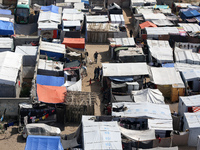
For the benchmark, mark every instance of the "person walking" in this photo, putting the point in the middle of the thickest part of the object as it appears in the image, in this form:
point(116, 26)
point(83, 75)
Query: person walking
point(101, 73)
point(131, 33)
point(98, 72)
point(95, 56)
point(95, 72)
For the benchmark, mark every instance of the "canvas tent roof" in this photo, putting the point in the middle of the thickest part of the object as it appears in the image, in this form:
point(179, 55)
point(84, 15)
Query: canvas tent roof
point(43, 142)
point(148, 95)
point(100, 135)
point(73, 17)
point(191, 27)
point(50, 80)
point(50, 65)
point(160, 124)
point(153, 16)
point(51, 94)
point(166, 76)
point(97, 19)
point(162, 22)
point(27, 50)
point(124, 69)
point(122, 42)
point(117, 18)
point(6, 42)
point(70, 11)
point(184, 66)
point(52, 47)
point(147, 24)
point(103, 27)
point(191, 74)
point(161, 30)
point(10, 64)
point(48, 17)
point(142, 110)
point(193, 119)
point(182, 5)
point(158, 43)
point(48, 26)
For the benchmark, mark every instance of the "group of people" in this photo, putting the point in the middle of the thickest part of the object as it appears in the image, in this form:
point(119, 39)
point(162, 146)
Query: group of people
point(98, 73)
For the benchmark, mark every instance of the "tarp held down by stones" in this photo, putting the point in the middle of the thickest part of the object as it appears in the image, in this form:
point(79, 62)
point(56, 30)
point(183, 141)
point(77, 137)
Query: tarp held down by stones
point(43, 143)
point(51, 94)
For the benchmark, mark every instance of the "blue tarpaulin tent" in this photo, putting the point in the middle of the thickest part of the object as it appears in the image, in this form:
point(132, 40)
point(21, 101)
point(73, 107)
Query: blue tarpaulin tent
point(50, 80)
point(5, 12)
point(85, 1)
point(51, 8)
point(36, 142)
point(6, 28)
point(189, 14)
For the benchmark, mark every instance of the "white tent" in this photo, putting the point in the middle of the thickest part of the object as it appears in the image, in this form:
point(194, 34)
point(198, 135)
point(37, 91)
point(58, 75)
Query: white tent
point(48, 17)
point(162, 22)
point(73, 86)
point(97, 19)
point(116, 18)
point(148, 95)
point(100, 135)
point(6, 44)
point(124, 69)
point(70, 11)
point(192, 122)
point(142, 110)
point(68, 24)
point(73, 17)
point(153, 16)
point(10, 64)
point(190, 27)
point(186, 102)
point(52, 47)
point(166, 76)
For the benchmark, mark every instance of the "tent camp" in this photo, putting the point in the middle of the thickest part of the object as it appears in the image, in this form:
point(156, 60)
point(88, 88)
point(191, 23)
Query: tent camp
point(6, 44)
point(43, 142)
point(168, 81)
point(54, 50)
point(187, 102)
point(148, 95)
point(190, 27)
point(100, 135)
point(10, 74)
point(192, 122)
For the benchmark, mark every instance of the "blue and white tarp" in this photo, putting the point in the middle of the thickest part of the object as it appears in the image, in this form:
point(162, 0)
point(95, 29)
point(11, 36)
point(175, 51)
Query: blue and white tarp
point(51, 8)
point(6, 28)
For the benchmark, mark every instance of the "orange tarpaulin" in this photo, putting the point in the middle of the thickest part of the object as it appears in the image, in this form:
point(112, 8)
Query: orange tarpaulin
point(147, 24)
point(74, 42)
point(51, 94)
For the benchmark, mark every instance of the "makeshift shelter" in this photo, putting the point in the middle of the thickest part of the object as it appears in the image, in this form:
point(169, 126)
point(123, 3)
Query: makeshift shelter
point(50, 8)
point(97, 19)
point(160, 50)
point(48, 24)
point(153, 16)
point(29, 59)
point(49, 80)
point(187, 102)
point(192, 123)
point(51, 94)
point(142, 110)
point(189, 14)
point(162, 22)
point(93, 131)
point(6, 28)
point(100, 32)
point(148, 95)
point(168, 81)
point(130, 54)
point(78, 104)
point(77, 43)
point(117, 19)
point(191, 79)
point(137, 3)
point(50, 68)
point(43, 142)
point(143, 25)
point(6, 44)
point(120, 42)
point(53, 50)
point(190, 27)
point(10, 74)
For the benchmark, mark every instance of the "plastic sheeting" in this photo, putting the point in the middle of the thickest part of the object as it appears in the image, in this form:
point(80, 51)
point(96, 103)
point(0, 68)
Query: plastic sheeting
point(6, 28)
point(190, 27)
point(43, 143)
point(146, 110)
point(73, 86)
point(166, 76)
point(73, 17)
point(10, 64)
point(5, 12)
point(48, 17)
point(153, 16)
point(148, 95)
point(122, 42)
point(160, 124)
point(51, 94)
point(100, 135)
point(142, 135)
point(162, 22)
point(50, 8)
point(121, 79)
point(191, 74)
point(124, 69)
point(49, 80)
point(97, 19)
point(187, 101)
point(116, 18)
point(6, 43)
